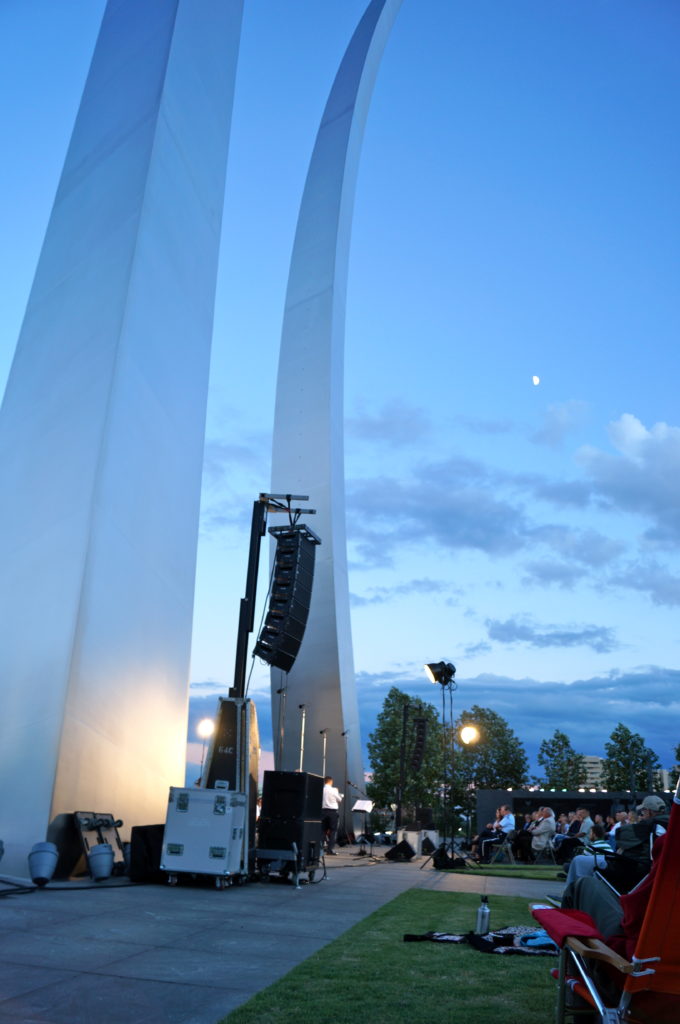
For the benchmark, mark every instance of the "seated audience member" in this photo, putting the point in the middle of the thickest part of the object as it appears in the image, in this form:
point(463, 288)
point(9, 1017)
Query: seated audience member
point(487, 831)
point(494, 834)
point(528, 844)
point(567, 849)
point(617, 918)
point(634, 844)
point(620, 818)
point(522, 841)
point(561, 829)
point(593, 856)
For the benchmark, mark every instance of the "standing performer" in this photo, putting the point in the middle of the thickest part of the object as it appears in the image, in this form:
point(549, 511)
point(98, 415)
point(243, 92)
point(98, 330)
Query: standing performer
point(329, 813)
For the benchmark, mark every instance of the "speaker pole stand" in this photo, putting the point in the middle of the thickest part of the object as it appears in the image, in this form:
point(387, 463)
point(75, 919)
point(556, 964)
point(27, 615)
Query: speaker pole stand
point(265, 503)
point(323, 733)
point(303, 716)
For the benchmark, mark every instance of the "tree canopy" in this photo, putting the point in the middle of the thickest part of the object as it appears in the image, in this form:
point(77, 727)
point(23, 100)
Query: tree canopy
point(562, 767)
point(629, 762)
point(497, 761)
point(422, 787)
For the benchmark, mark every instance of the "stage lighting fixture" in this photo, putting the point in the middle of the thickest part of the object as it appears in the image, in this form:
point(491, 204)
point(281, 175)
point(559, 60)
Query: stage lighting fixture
point(469, 734)
point(441, 672)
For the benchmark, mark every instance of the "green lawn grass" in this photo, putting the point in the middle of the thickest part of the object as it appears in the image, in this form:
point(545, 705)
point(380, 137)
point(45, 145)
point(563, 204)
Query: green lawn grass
point(542, 873)
point(370, 974)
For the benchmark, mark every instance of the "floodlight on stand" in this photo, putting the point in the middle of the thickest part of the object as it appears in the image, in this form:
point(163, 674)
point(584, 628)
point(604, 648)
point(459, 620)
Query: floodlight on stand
point(469, 734)
point(441, 672)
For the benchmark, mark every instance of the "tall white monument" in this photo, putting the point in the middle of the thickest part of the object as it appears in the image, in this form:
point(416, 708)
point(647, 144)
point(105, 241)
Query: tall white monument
point(308, 427)
point(102, 430)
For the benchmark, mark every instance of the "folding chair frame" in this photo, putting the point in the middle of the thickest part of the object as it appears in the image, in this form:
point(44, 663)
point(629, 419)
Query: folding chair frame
point(504, 847)
point(547, 849)
point(578, 952)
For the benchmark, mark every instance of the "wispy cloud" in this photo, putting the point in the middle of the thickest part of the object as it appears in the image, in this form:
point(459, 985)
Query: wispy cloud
point(441, 508)
point(396, 424)
point(381, 595)
point(651, 578)
point(600, 639)
point(589, 547)
point(558, 421)
point(546, 573)
point(483, 647)
point(485, 426)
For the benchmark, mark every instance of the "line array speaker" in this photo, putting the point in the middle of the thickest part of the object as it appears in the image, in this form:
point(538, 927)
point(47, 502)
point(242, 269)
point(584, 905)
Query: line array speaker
point(291, 595)
point(418, 743)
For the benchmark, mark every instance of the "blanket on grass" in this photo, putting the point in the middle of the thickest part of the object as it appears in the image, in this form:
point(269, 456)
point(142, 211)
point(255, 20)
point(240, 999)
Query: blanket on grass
point(522, 939)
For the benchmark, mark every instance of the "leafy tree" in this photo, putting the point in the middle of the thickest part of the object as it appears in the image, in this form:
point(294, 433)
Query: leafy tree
point(563, 768)
point(629, 764)
point(496, 761)
point(421, 787)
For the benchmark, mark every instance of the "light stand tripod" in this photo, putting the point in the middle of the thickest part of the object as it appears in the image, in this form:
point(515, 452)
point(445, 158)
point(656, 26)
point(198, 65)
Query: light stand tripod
point(443, 672)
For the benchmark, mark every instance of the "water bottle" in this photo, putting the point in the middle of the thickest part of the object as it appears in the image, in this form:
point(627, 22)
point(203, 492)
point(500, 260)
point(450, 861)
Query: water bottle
point(482, 919)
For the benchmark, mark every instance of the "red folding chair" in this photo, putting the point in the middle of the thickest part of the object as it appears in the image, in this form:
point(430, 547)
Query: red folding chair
point(648, 981)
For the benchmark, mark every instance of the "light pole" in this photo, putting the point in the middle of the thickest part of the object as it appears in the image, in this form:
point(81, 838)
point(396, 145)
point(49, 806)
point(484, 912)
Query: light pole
point(442, 673)
point(469, 735)
point(205, 729)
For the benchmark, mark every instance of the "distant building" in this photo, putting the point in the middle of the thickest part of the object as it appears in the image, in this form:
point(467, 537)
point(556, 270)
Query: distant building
point(593, 766)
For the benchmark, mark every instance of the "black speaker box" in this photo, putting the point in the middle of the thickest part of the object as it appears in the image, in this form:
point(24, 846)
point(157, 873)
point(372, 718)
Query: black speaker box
point(292, 795)
point(443, 862)
point(425, 817)
point(291, 595)
point(401, 852)
point(146, 847)
point(281, 833)
point(427, 845)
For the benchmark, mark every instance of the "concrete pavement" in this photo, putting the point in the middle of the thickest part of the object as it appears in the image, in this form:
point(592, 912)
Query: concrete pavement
point(72, 953)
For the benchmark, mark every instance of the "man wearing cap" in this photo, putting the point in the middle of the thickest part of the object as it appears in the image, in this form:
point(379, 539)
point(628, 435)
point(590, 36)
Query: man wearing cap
point(654, 811)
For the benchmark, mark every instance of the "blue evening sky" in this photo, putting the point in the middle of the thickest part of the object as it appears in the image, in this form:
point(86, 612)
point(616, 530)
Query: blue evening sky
point(517, 214)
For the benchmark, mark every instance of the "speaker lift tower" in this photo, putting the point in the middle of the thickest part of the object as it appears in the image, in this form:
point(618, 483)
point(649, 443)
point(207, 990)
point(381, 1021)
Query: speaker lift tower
point(233, 756)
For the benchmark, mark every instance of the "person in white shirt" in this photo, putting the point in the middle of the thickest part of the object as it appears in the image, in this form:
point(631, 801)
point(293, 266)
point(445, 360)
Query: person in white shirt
point(494, 833)
point(330, 816)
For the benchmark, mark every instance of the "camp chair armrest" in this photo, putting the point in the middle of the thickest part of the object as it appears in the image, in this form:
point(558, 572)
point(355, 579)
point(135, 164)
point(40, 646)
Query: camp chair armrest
point(595, 949)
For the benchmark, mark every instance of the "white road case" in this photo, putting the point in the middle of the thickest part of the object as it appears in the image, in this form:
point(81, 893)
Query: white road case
point(204, 834)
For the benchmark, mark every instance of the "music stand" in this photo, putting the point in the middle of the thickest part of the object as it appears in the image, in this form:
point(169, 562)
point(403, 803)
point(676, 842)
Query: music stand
point(365, 806)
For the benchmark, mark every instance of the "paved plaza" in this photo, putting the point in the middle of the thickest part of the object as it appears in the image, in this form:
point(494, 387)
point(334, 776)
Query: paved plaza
point(150, 954)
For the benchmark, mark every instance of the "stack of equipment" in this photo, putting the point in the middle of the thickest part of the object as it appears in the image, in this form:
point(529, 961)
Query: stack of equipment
point(290, 837)
point(204, 835)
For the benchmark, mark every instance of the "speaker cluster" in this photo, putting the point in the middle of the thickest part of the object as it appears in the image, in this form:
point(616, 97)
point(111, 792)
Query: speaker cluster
point(291, 595)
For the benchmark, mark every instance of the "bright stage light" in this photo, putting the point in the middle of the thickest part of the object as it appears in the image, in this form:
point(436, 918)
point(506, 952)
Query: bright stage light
point(205, 728)
point(469, 734)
